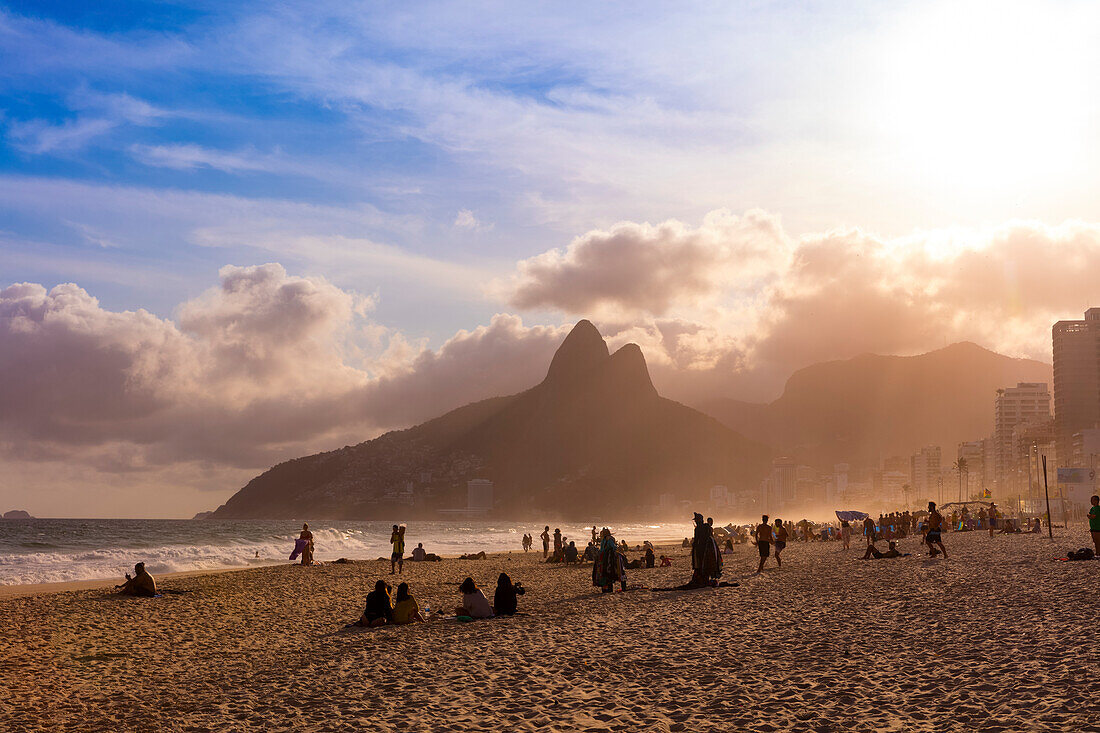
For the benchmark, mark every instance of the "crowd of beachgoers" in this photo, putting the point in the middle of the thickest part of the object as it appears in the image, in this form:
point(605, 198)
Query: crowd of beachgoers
point(811, 644)
point(708, 545)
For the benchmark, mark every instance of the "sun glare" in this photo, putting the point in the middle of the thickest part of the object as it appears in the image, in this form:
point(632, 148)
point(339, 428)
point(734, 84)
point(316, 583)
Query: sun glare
point(995, 98)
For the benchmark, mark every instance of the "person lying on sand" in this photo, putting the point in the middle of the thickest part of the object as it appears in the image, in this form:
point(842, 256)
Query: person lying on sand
point(474, 602)
point(405, 608)
point(505, 600)
point(379, 610)
point(142, 584)
point(873, 552)
point(473, 556)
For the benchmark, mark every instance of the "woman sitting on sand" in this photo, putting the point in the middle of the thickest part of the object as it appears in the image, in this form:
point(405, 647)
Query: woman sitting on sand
point(405, 608)
point(379, 611)
point(474, 602)
point(505, 601)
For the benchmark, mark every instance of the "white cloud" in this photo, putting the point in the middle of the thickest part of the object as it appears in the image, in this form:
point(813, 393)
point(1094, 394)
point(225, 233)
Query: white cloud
point(190, 157)
point(466, 220)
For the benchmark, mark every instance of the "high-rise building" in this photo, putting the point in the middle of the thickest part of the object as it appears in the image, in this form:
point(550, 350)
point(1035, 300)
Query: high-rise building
point(924, 471)
point(1026, 403)
point(1076, 379)
point(778, 489)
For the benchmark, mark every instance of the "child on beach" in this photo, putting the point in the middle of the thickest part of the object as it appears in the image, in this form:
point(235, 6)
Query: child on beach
point(397, 557)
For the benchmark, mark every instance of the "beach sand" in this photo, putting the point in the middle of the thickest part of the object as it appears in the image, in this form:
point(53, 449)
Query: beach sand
point(997, 638)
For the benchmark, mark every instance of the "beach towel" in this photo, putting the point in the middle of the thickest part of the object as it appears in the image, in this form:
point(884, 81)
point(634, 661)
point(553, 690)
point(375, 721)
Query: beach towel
point(299, 548)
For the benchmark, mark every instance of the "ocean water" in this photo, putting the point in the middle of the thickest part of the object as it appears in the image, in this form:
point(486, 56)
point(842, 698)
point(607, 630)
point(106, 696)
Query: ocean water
point(57, 550)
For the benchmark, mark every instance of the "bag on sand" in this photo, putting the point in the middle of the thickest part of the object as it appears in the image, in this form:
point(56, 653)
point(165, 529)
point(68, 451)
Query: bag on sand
point(1083, 554)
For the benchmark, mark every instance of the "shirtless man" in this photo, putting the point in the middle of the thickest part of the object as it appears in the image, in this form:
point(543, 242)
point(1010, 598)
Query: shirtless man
point(142, 584)
point(763, 542)
point(780, 541)
point(935, 522)
point(545, 541)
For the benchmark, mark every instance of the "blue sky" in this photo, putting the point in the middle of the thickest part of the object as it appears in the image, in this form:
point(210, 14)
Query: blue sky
point(437, 190)
point(381, 123)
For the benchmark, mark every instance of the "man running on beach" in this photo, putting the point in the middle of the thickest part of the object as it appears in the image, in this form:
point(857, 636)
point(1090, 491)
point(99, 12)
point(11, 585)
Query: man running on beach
point(397, 539)
point(763, 542)
point(545, 541)
point(935, 520)
point(1094, 523)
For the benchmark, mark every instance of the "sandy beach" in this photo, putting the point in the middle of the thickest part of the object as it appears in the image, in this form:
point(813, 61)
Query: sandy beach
point(996, 638)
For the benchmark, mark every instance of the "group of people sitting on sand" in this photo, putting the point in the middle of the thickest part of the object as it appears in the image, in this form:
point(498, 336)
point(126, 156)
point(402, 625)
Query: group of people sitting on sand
point(384, 610)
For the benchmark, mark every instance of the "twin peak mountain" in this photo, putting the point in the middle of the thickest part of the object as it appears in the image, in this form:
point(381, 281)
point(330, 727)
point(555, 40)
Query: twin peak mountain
point(593, 438)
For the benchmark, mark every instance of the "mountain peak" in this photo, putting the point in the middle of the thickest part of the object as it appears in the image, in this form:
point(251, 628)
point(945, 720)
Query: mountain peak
point(582, 351)
point(627, 368)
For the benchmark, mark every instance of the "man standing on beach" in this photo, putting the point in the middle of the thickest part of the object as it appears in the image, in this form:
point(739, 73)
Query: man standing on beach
point(935, 521)
point(763, 542)
point(397, 558)
point(545, 541)
point(1094, 523)
point(869, 529)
